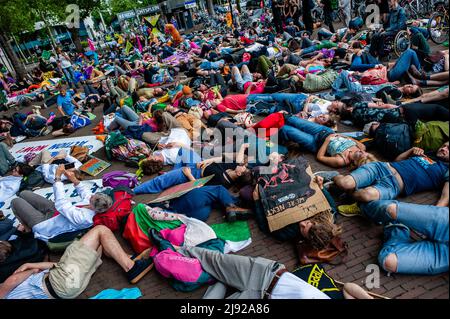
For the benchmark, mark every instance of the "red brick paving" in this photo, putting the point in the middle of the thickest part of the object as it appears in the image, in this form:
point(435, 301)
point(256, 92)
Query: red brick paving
point(364, 240)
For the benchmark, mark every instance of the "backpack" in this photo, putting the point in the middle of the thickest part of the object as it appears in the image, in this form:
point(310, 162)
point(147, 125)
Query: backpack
point(119, 179)
point(114, 217)
point(132, 151)
point(392, 139)
point(33, 181)
point(81, 153)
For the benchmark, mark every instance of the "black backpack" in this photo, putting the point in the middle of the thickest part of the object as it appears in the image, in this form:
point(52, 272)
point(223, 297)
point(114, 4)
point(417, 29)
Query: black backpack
point(392, 139)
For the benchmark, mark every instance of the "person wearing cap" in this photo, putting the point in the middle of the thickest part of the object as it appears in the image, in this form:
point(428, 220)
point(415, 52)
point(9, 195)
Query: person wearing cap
point(36, 213)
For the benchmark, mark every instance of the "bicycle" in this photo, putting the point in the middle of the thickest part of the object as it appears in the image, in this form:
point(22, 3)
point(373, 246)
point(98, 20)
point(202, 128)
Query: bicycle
point(438, 24)
point(412, 8)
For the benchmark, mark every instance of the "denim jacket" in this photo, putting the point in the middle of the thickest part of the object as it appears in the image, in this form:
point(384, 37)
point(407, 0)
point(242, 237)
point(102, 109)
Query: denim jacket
point(397, 20)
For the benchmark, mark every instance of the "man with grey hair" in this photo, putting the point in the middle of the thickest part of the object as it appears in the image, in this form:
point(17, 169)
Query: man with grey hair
point(37, 213)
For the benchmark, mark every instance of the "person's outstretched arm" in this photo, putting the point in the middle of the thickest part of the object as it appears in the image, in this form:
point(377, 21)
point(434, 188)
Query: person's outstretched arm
point(443, 201)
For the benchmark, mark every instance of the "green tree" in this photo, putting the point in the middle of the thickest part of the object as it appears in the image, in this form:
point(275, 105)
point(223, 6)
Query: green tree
point(58, 9)
point(15, 16)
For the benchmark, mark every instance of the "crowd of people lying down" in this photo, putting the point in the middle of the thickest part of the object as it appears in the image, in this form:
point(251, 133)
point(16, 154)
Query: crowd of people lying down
point(167, 109)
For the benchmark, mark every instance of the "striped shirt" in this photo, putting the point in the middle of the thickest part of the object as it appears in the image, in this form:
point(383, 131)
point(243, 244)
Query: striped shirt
point(32, 288)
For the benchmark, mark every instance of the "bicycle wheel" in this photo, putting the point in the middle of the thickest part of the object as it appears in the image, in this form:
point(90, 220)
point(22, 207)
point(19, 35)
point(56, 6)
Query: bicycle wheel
point(438, 27)
point(402, 42)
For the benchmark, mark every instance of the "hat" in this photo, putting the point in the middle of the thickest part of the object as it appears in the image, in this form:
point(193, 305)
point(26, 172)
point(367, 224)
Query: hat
point(367, 127)
point(187, 90)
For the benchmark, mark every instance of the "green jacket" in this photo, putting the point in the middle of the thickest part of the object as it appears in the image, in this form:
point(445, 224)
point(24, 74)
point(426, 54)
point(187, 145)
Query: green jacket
point(113, 140)
point(431, 135)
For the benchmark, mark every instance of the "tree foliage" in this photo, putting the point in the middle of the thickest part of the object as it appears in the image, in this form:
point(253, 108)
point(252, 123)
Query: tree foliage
point(16, 16)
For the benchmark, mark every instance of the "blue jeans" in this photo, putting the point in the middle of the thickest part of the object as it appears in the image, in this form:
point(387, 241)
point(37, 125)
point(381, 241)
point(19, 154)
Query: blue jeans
point(70, 76)
point(379, 176)
point(323, 34)
point(20, 127)
point(165, 181)
point(404, 62)
point(306, 43)
point(309, 50)
point(126, 117)
point(88, 89)
point(425, 257)
point(307, 134)
point(199, 202)
point(295, 99)
point(343, 81)
point(241, 78)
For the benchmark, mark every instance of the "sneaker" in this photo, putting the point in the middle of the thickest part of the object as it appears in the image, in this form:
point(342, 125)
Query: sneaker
point(327, 175)
point(20, 138)
point(45, 131)
point(140, 269)
point(349, 210)
point(234, 213)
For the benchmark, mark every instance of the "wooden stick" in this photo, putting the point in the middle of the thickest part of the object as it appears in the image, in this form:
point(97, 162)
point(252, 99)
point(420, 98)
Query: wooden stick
point(370, 293)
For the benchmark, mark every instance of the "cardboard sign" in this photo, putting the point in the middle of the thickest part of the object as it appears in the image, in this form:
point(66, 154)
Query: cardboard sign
point(179, 190)
point(19, 150)
point(290, 195)
point(94, 166)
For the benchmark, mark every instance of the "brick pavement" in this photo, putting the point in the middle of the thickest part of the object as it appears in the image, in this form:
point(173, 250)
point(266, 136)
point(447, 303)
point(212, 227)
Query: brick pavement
point(364, 240)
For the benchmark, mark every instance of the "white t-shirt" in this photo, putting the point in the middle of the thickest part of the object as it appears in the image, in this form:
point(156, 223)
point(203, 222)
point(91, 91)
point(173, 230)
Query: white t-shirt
point(254, 47)
point(318, 106)
point(273, 52)
point(178, 135)
point(290, 286)
point(49, 170)
point(64, 62)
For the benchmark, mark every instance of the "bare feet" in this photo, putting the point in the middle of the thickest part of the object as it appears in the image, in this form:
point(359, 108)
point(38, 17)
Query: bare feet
point(412, 79)
point(417, 74)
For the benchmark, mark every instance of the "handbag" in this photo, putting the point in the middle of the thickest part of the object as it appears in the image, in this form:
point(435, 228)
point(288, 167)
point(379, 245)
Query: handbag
point(335, 253)
point(81, 153)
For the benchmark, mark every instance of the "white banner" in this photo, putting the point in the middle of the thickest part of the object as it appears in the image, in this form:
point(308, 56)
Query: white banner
point(95, 186)
point(19, 150)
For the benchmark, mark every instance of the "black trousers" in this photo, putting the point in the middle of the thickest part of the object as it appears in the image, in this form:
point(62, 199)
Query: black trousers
point(425, 112)
point(329, 19)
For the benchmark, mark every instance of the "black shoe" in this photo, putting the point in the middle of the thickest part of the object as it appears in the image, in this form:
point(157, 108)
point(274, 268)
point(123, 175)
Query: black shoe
point(140, 269)
point(234, 213)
